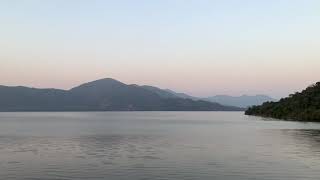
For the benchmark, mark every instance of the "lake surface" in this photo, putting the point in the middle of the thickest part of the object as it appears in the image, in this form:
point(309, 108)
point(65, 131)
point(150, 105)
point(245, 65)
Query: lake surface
point(156, 146)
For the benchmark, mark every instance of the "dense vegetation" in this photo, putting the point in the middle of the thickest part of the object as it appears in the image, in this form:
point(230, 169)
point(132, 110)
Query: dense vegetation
point(303, 106)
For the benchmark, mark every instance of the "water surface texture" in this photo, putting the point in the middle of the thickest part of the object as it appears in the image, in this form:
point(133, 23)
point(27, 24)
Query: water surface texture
point(156, 145)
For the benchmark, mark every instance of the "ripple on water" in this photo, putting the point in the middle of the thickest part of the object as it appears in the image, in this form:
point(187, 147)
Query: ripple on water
point(222, 146)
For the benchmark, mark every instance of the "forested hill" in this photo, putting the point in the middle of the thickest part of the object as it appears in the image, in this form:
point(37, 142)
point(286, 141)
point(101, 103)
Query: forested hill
point(303, 106)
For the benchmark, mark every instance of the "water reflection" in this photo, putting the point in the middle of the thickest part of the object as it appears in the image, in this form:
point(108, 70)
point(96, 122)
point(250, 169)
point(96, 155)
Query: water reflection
point(99, 156)
point(304, 145)
point(121, 146)
point(222, 146)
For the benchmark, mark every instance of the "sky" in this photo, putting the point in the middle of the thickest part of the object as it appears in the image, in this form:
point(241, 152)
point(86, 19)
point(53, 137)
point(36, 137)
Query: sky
point(199, 47)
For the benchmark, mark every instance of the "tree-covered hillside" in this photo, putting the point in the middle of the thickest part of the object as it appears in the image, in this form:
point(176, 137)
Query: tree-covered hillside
point(303, 106)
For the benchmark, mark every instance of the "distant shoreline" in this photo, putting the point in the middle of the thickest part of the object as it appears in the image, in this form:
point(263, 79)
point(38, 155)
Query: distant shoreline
point(127, 111)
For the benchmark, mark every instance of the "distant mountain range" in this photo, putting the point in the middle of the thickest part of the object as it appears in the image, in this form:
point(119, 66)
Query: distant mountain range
point(240, 101)
point(103, 95)
point(243, 101)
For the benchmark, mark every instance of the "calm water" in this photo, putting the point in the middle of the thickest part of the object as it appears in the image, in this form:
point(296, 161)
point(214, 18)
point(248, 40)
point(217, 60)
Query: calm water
point(156, 145)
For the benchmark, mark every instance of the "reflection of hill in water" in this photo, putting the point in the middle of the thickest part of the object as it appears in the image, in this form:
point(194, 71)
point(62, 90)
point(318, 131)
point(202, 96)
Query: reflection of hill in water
point(304, 144)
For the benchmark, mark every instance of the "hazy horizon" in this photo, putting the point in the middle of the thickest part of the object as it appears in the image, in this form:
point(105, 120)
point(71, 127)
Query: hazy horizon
point(143, 85)
point(201, 48)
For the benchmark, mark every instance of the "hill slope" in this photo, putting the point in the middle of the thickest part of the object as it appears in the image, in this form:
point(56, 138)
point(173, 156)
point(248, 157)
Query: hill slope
point(243, 101)
point(100, 95)
point(304, 106)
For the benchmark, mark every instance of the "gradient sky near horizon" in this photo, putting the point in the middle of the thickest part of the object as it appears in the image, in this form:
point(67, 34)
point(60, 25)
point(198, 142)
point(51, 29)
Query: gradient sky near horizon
point(199, 47)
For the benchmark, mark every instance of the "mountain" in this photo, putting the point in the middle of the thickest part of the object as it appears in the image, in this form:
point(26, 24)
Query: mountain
point(239, 101)
point(182, 95)
point(243, 101)
point(160, 92)
point(100, 95)
point(303, 106)
point(167, 93)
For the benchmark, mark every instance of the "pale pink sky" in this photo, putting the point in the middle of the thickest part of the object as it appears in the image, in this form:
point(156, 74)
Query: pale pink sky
point(201, 48)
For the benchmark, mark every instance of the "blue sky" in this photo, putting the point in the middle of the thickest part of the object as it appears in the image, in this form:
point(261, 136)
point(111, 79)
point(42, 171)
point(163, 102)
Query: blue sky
point(199, 47)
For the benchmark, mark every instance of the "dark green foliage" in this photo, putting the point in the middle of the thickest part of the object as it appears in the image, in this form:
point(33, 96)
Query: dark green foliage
point(101, 95)
point(304, 106)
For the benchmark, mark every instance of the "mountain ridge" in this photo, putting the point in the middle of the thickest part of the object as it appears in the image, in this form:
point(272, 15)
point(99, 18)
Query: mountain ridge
point(242, 101)
point(100, 95)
